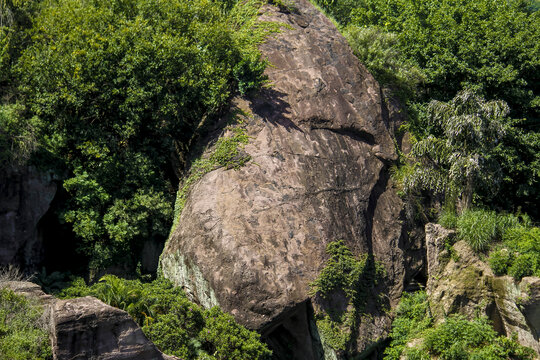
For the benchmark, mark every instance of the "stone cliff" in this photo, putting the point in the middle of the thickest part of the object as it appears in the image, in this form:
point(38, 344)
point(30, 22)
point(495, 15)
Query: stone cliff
point(252, 239)
point(25, 196)
point(459, 282)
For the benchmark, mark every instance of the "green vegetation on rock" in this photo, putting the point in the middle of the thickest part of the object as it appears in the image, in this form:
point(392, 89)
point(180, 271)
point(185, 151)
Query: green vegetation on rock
point(416, 337)
point(226, 153)
point(176, 325)
point(107, 93)
point(348, 280)
point(432, 50)
point(518, 253)
point(23, 328)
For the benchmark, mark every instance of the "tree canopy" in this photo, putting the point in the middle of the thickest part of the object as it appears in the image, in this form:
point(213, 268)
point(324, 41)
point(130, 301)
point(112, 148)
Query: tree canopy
point(111, 91)
point(430, 50)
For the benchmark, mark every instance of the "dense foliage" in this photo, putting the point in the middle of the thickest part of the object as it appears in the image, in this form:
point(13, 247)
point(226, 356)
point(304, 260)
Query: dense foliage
point(23, 334)
point(488, 44)
point(512, 242)
point(457, 158)
point(343, 276)
point(518, 252)
point(416, 337)
point(109, 92)
point(176, 325)
point(433, 50)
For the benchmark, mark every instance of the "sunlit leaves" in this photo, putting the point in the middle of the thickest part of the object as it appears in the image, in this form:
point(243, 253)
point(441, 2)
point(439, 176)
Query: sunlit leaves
point(459, 160)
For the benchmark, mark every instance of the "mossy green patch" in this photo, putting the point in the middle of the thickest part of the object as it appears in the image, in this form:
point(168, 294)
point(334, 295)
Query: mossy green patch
point(342, 289)
point(227, 152)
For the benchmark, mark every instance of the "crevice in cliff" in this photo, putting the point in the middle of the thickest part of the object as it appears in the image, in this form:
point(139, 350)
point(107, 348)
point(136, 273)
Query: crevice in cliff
point(354, 134)
point(377, 191)
point(59, 244)
point(294, 334)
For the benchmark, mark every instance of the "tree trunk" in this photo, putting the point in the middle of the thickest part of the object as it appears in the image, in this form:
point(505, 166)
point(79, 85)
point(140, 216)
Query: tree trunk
point(464, 202)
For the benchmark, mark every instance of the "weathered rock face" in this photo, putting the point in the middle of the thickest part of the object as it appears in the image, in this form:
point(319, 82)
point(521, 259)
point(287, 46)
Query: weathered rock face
point(25, 196)
point(251, 240)
point(459, 282)
point(87, 328)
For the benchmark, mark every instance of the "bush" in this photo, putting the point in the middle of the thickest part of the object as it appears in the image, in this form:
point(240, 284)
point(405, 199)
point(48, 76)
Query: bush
point(500, 260)
point(478, 228)
point(412, 318)
point(523, 265)
point(115, 88)
point(523, 238)
point(341, 272)
point(176, 325)
point(378, 50)
point(458, 338)
point(18, 135)
point(448, 218)
point(454, 339)
point(521, 253)
point(23, 335)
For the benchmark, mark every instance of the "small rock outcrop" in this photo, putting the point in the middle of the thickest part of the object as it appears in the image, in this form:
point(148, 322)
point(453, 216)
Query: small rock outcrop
point(87, 328)
point(459, 282)
point(25, 196)
point(252, 239)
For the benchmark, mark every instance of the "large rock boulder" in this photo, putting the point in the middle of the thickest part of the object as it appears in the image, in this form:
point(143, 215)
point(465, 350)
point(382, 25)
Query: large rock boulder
point(459, 282)
point(87, 328)
point(252, 239)
point(25, 196)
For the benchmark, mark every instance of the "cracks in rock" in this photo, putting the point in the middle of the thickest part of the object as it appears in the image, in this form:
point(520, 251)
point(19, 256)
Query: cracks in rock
point(355, 134)
point(300, 196)
point(376, 193)
point(337, 190)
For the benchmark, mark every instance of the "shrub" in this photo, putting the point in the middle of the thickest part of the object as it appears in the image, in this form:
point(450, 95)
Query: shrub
point(454, 339)
point(448, 218)
point(378, 50)
point(500, 260)
point(18, 135)
point(224, 338)
point(521, 255)
point(412, 317)
point(175, 324)
point(523, 239)
point(478, 228)
point(458, 338)
point(23, 335)
point(523, 265)
point(341, 272)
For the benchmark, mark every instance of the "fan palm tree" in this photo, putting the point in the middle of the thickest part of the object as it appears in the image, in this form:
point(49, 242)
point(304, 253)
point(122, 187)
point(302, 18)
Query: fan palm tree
point(457, 160)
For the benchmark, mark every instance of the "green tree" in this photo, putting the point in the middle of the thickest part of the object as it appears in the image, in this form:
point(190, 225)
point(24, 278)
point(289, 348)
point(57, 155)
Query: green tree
point(486, 43)
point(119, 88)
point(460, 159)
